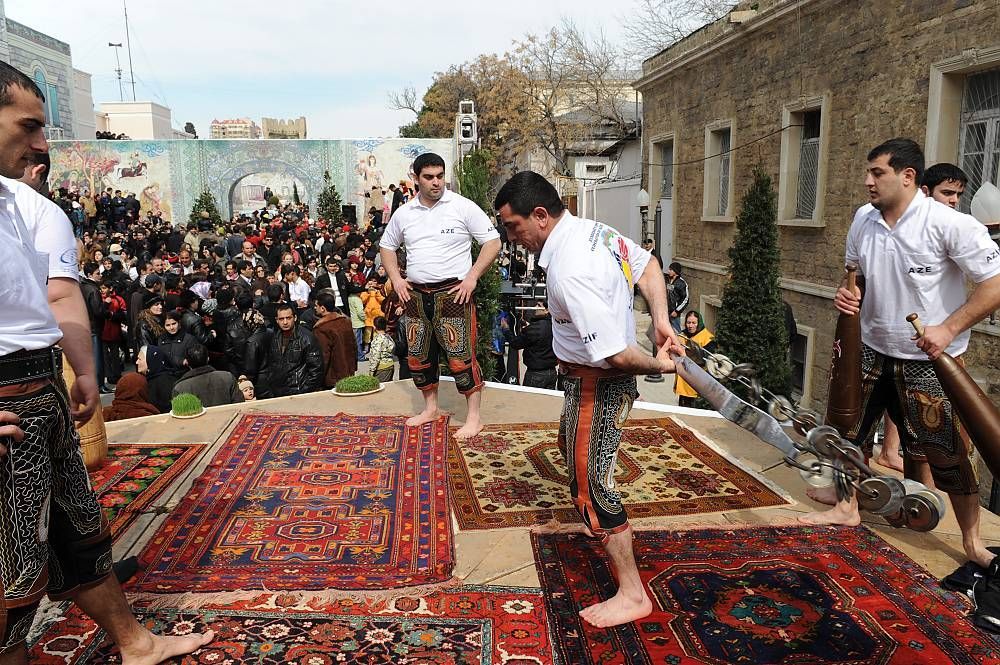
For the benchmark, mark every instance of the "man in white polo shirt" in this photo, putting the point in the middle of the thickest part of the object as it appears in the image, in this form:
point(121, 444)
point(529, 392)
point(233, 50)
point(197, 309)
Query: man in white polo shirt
point(437, 228)
point(913, 255)
point(591, 271)
point(54, 537)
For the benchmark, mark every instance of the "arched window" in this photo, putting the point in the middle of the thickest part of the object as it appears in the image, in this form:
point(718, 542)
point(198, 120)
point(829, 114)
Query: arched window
point(51, 93)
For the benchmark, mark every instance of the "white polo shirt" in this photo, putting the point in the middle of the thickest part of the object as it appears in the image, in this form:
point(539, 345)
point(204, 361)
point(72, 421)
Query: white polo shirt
point(919, 265)
point(591, 271)
point(36, 243)
point(438, 239)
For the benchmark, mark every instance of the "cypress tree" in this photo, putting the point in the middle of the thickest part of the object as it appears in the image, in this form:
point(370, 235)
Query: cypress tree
point(751, 324)
point(206, 203)
point(473, 181)
point(328, 205)
point(295, 194)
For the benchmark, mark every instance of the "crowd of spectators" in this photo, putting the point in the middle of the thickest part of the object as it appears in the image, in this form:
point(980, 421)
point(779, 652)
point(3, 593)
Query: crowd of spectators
point(268, 304)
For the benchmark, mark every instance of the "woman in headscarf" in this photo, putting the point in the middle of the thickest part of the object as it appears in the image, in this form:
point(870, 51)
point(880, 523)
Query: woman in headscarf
point(131, 399)
point(695, 330)
point(153, 364)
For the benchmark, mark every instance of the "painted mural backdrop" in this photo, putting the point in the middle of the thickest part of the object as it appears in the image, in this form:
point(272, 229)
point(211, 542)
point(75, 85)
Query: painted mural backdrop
point(168, 176)
point(141, 167)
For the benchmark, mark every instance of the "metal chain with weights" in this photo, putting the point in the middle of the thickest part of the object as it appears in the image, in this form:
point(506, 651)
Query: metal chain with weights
point(823, 457)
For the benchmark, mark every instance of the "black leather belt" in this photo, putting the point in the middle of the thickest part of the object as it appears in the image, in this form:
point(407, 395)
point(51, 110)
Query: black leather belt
point(25, 366)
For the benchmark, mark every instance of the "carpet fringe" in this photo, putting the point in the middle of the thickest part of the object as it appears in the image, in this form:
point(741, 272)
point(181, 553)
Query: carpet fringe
point(284, 600)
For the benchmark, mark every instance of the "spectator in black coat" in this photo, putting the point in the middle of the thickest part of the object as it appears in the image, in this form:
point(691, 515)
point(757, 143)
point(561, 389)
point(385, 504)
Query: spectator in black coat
point(294, 359)
point(188, 304)
point(175, 342)
point(535, 340)
point(212, 386)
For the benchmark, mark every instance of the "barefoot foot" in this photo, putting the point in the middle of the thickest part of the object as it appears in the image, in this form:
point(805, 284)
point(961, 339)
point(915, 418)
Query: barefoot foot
point(890, 461)
point(836, 516)
point(422, 418)
point(978, 553)
point(158, 648)
point(825, 495)
point(617, 610)
point(469, 430)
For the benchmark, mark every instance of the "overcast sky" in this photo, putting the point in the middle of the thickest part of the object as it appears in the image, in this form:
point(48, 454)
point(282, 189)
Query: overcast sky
point(332, 61)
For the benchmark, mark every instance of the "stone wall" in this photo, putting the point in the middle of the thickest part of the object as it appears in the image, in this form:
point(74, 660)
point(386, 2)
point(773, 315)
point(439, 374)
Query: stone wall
point(27, 47)
point(874, 67)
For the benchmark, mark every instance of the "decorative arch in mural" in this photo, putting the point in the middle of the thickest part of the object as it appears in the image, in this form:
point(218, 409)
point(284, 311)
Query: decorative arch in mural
point(230, 178)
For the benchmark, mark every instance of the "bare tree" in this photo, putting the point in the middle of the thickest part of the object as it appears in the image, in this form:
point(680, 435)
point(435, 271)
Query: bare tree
point(653, 25)
point(405, 100)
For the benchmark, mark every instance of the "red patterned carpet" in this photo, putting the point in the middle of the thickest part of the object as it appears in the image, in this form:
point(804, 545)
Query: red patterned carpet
point(307, 503)
point(514, 475)
point(134, 475)
point(464, 625)
point(762, 595)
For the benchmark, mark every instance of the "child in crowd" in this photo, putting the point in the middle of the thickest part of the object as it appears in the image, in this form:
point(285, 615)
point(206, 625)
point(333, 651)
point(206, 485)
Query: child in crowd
point(381, 361)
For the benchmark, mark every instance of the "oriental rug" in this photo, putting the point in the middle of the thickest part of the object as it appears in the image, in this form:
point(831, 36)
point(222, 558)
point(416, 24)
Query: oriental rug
point(134, 475)
point(467, 625)
point(515, 475)
point(310, 503)
point(760, 595)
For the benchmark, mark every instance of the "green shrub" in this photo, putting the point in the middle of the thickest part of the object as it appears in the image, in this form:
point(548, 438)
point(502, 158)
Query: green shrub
point(357, 384)
point(185, 404)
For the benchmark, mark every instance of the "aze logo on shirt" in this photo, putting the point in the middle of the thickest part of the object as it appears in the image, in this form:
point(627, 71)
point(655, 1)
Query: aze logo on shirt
point(448, 231)
point(994, 256)
point(921, 270)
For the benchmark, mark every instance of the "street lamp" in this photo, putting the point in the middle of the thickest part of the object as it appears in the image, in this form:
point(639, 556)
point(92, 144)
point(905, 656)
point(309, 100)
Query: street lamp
point(118, 70)
point(642, 200)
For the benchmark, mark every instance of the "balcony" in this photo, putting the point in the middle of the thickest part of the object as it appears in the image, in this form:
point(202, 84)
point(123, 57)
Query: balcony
point(54, 134)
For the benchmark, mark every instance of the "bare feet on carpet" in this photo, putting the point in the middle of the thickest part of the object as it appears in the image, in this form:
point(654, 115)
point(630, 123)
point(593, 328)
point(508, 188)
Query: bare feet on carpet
point(617, 610)
point(889, 461)
point(156, 649)
point(423, 418)
point(470, 429)
point(842, 514)
point(978, 553)
point(825, 495)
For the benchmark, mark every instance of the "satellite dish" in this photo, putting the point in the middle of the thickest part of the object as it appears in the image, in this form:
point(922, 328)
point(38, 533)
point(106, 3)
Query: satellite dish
point(986, 204)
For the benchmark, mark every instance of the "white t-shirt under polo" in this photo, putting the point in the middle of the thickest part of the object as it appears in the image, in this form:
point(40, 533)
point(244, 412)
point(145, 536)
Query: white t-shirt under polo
point(919, 265)
point(35, 244)
point(591, 271)
point(438, 239)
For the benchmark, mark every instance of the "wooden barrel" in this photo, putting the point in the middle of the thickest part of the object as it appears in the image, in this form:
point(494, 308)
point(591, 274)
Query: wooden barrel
point(93, 436)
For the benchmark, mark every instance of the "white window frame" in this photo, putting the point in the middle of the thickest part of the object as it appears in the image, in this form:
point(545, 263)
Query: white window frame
point(656, 166)
point(788, 178)
point(712, 165)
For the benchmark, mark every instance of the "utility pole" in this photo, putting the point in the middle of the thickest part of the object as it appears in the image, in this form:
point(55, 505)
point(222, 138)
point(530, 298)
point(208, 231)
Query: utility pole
point(118, 71)
point(128, 42)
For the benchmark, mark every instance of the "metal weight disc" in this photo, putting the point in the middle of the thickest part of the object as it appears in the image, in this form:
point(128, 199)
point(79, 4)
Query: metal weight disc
point(805, 420)
point(722, 366)
point(920, 512)
point(825, 440)
point(820, 476)
point(881, 496)
point(780, 408)
point(938, 498)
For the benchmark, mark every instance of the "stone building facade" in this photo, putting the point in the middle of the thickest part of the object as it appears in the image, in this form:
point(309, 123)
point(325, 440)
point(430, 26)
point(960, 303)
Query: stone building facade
point(275, 128)
point(804, 89)
point(69, 106)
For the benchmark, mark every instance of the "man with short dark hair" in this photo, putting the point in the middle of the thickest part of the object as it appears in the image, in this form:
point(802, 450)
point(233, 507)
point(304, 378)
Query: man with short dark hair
point(36, 173)
point(677, 294)
point(438, 227)
point(214, 387)
point(945, 183)
point(54, 537)
point(591, 275)
point(335, 337)
point(914, 254)
point(295, 362)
